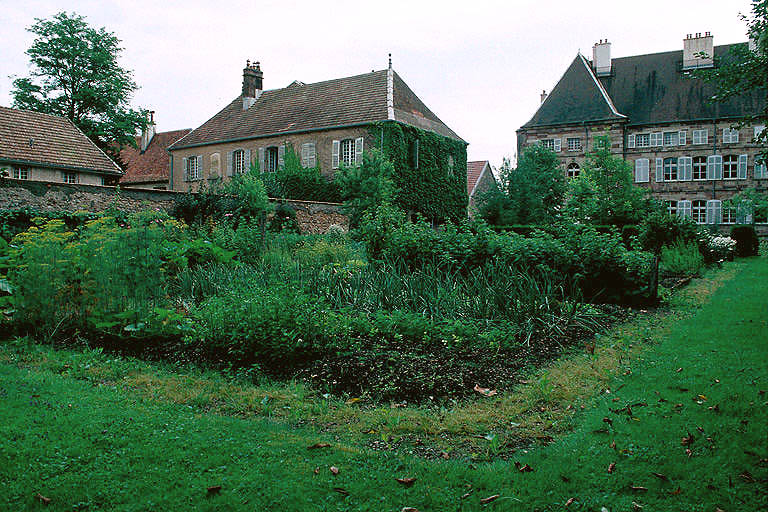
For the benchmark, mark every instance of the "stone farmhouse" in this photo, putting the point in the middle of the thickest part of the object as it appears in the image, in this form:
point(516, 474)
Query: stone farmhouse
point(689, 151)
point(147, 165)
point(480, 179)
point(43, 147)
point(327, 124)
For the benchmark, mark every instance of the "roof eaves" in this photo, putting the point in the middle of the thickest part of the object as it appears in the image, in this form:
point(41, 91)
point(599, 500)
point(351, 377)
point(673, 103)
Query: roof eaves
point(600, 86)
point(49, 165)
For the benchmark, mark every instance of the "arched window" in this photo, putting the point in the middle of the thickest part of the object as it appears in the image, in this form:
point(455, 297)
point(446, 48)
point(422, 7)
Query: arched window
point(670, 169)
point(699, 211)
point(730, 167)
point(573, 170)
point(699, 168)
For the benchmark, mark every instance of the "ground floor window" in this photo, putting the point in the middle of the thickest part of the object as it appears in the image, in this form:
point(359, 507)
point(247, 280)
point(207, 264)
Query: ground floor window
point(69, 177)
point(699, 211)
point(573, 170)
point(271, 159)
point(347, 152)
point(729, 215)
point(21, 174)
point(672, 207)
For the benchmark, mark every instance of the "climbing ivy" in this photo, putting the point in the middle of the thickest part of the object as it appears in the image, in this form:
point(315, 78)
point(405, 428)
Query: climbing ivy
point(426, 181)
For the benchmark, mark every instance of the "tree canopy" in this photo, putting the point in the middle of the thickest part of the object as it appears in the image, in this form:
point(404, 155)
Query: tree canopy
point(75, 74)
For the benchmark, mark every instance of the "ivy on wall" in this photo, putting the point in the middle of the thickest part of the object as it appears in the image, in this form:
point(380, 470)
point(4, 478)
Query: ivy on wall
point(430, 170)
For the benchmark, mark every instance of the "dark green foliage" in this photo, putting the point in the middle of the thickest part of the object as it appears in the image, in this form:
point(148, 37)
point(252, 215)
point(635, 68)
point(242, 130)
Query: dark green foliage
point(76, 75)
point(437, 189)
point(747, 243)
point(241, 198)
point(660, 229)
point(15, 221)
point(284, 219)
point(682, 259)
point(366, 186)
point(604, 192)
point(293, 181)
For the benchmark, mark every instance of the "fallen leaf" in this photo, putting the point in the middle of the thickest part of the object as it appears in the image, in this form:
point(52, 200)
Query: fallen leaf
point(608, 421)
point(611, 467)
point(613, 445)
point(409, 509)
point(636, 506)
point(590, 347)
point(525, 469)
point(318, 445)
point(489, 499)
point(465, 496)
point(445, 455)
point(334, 470)
point(568, 503)
point(485, 391)
point(676, 491)
point(341, 491)
point(408, 481)
point(747, 477)
point(42, 499)
point(679, 370)
point(687, 440)
point(700, 429)
point(352, 401)
point(214, 489)
point(637, 488)
point(660, 476)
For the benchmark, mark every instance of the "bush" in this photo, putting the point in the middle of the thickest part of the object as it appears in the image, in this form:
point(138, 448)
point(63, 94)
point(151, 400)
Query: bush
point(284, 219)
point(682, 259)
point(660, 229)
point(293, 181)
point(747, 243)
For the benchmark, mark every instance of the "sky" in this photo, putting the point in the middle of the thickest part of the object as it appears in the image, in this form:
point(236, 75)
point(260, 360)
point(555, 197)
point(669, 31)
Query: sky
point(480, 66)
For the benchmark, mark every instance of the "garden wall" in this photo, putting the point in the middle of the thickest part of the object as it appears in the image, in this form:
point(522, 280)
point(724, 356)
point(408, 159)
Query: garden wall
point(312, 217)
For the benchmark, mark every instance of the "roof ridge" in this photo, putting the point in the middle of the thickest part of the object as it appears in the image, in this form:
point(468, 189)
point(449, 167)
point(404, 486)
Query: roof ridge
point(666, 52)
point(600, 86)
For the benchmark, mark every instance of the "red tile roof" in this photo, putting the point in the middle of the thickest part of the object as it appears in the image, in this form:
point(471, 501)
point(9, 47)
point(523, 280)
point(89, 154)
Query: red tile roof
point(152, 165)
point(346, 101)
point(49, 141)
point(474, 171)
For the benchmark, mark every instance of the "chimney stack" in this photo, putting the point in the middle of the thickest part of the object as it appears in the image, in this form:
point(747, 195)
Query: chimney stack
point(601, 58)
point(149, 132)
point(698, 51)
point(252, 83)
point(543, 96)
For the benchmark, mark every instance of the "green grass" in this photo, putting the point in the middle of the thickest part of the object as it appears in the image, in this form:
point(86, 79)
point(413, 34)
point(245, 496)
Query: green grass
point(95, 433)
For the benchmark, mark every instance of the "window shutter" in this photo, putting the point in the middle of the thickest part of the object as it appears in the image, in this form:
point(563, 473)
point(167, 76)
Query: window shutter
point(630, 141)
point(642, 170)
point(305, 155)
point(684, 208)
point(312, 155)
point(714, 212)
point(247, 161)
point(659, 170)
point(358, 151)
point(335, 154)
point(281, 156)
point(718, 167)
point(185, 167)
point(558, 145)
point(685, 168)
point(761, 171)
point(262, 167)
point(681, 138)
point(200, 166)
point(743, 167)
point(230, 163)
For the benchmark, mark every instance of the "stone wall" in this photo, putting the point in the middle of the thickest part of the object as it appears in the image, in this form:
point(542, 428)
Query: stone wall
point(312, 217)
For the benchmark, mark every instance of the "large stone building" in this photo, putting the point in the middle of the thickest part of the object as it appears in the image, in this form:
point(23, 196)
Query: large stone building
point(326, 123)
point(688, 150)
point(43, 147)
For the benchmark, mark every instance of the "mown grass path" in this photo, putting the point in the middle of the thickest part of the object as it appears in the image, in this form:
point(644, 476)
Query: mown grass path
point(683, 428)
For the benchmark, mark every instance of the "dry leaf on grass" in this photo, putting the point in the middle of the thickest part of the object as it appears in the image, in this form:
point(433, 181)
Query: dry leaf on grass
point(568, 503)
point(42, 499)
point(334, 470)
point(214, 489)
point(660, 476)
point(341, 491)
point(408, 481)
point(489, 499)
point(485, 391)
point(318, 445)
point(409, 509)
point(611, 467)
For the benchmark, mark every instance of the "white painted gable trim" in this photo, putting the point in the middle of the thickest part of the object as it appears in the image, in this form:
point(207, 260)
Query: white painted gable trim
point(390, 94)
point(600, 86)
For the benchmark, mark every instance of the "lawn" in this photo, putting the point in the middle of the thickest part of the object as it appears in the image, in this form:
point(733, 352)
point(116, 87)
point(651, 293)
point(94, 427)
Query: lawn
point(674, 418)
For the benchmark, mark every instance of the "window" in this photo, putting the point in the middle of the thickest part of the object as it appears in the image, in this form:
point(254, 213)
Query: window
point(600, 142)
point(671, 138)
point(450, 165)
point(699, 211)
point(630, 141)
point(415, 154)
point(684, 208)
point(642, 170)
point(573, 170)
point(759, 129)
point(670, 169)
point(656, 139)
point(729, 216)
point(730, 135)
point(552, 144)
point(699, 168)
point(215, 164)
point(238, 161)
point(574, 144)
point(714, 211)
point(730, 167)
point(643, 140)
point(684, 168)
point(192, 168)
point(348, 152)
point(271, 159)
point(308, 155)
point(69, 177)
point(700, 136)
point(671, 207)
point(681, 136)
point(21, 174)
point(761, 170)
point(715, 167)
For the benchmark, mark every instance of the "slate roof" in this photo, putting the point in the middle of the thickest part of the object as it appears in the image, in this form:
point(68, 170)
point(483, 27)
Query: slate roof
point(153, 164)
point(353, 100)
point(647, 89)
point(49, 141)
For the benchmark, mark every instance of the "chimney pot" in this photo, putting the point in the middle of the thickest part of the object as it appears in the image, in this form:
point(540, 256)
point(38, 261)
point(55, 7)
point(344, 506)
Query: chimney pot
point(601, 58)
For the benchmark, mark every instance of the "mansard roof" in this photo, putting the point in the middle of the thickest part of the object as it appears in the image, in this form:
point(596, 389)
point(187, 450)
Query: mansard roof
point(349, 101)
point(644, 89)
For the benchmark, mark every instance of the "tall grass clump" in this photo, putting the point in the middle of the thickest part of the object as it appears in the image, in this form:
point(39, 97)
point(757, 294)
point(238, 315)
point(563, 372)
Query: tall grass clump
point(682, 259)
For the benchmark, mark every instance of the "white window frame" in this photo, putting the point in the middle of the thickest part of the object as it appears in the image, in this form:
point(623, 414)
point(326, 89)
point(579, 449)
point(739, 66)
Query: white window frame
point(671, 206)
point(700, 137)
point(573, 170)
point(631, 140)
point(730, 135)
point(20, 173)
point(714, 213)
point(684, 208)
point(573, 143)
point(699, 164)
point(758, 130)
point(671, 138)
point(643, 140)
point(715, 167)
point(347, 152)
point(271, 159)
point(761, 170)
point(699, 211)
point(681, 138)
point(69, 177)
point(670, 169)
point(308, 155)
point(238, 161)
point(685, 168)
point(730, 167)
point(657, 139)
point(642, 170)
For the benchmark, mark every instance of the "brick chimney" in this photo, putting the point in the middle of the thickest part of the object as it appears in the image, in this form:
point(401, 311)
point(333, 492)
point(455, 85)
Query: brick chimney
point(698, 51)
point(252, 83)
point(601, 58)
point(148, 133)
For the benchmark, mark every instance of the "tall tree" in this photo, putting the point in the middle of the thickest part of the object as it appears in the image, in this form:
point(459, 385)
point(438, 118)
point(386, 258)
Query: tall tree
point(75, 74)
point(745, 69)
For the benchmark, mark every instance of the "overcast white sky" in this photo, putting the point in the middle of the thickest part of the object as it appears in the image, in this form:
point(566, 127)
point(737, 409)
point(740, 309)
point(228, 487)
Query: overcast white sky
point(480, 65)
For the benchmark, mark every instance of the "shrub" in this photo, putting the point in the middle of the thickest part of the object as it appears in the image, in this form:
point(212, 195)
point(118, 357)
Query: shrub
point(682, 259)
point(292, 181)
point(747, 243)
point(284, 219)
point(660, 229)
point(366, 186)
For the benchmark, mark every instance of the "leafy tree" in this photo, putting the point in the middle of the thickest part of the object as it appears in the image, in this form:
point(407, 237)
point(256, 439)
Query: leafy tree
point(365, 186)
point(749, 204)
point(533, 193)
point(745, 69)
point(604, 192)
point(76, 74)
